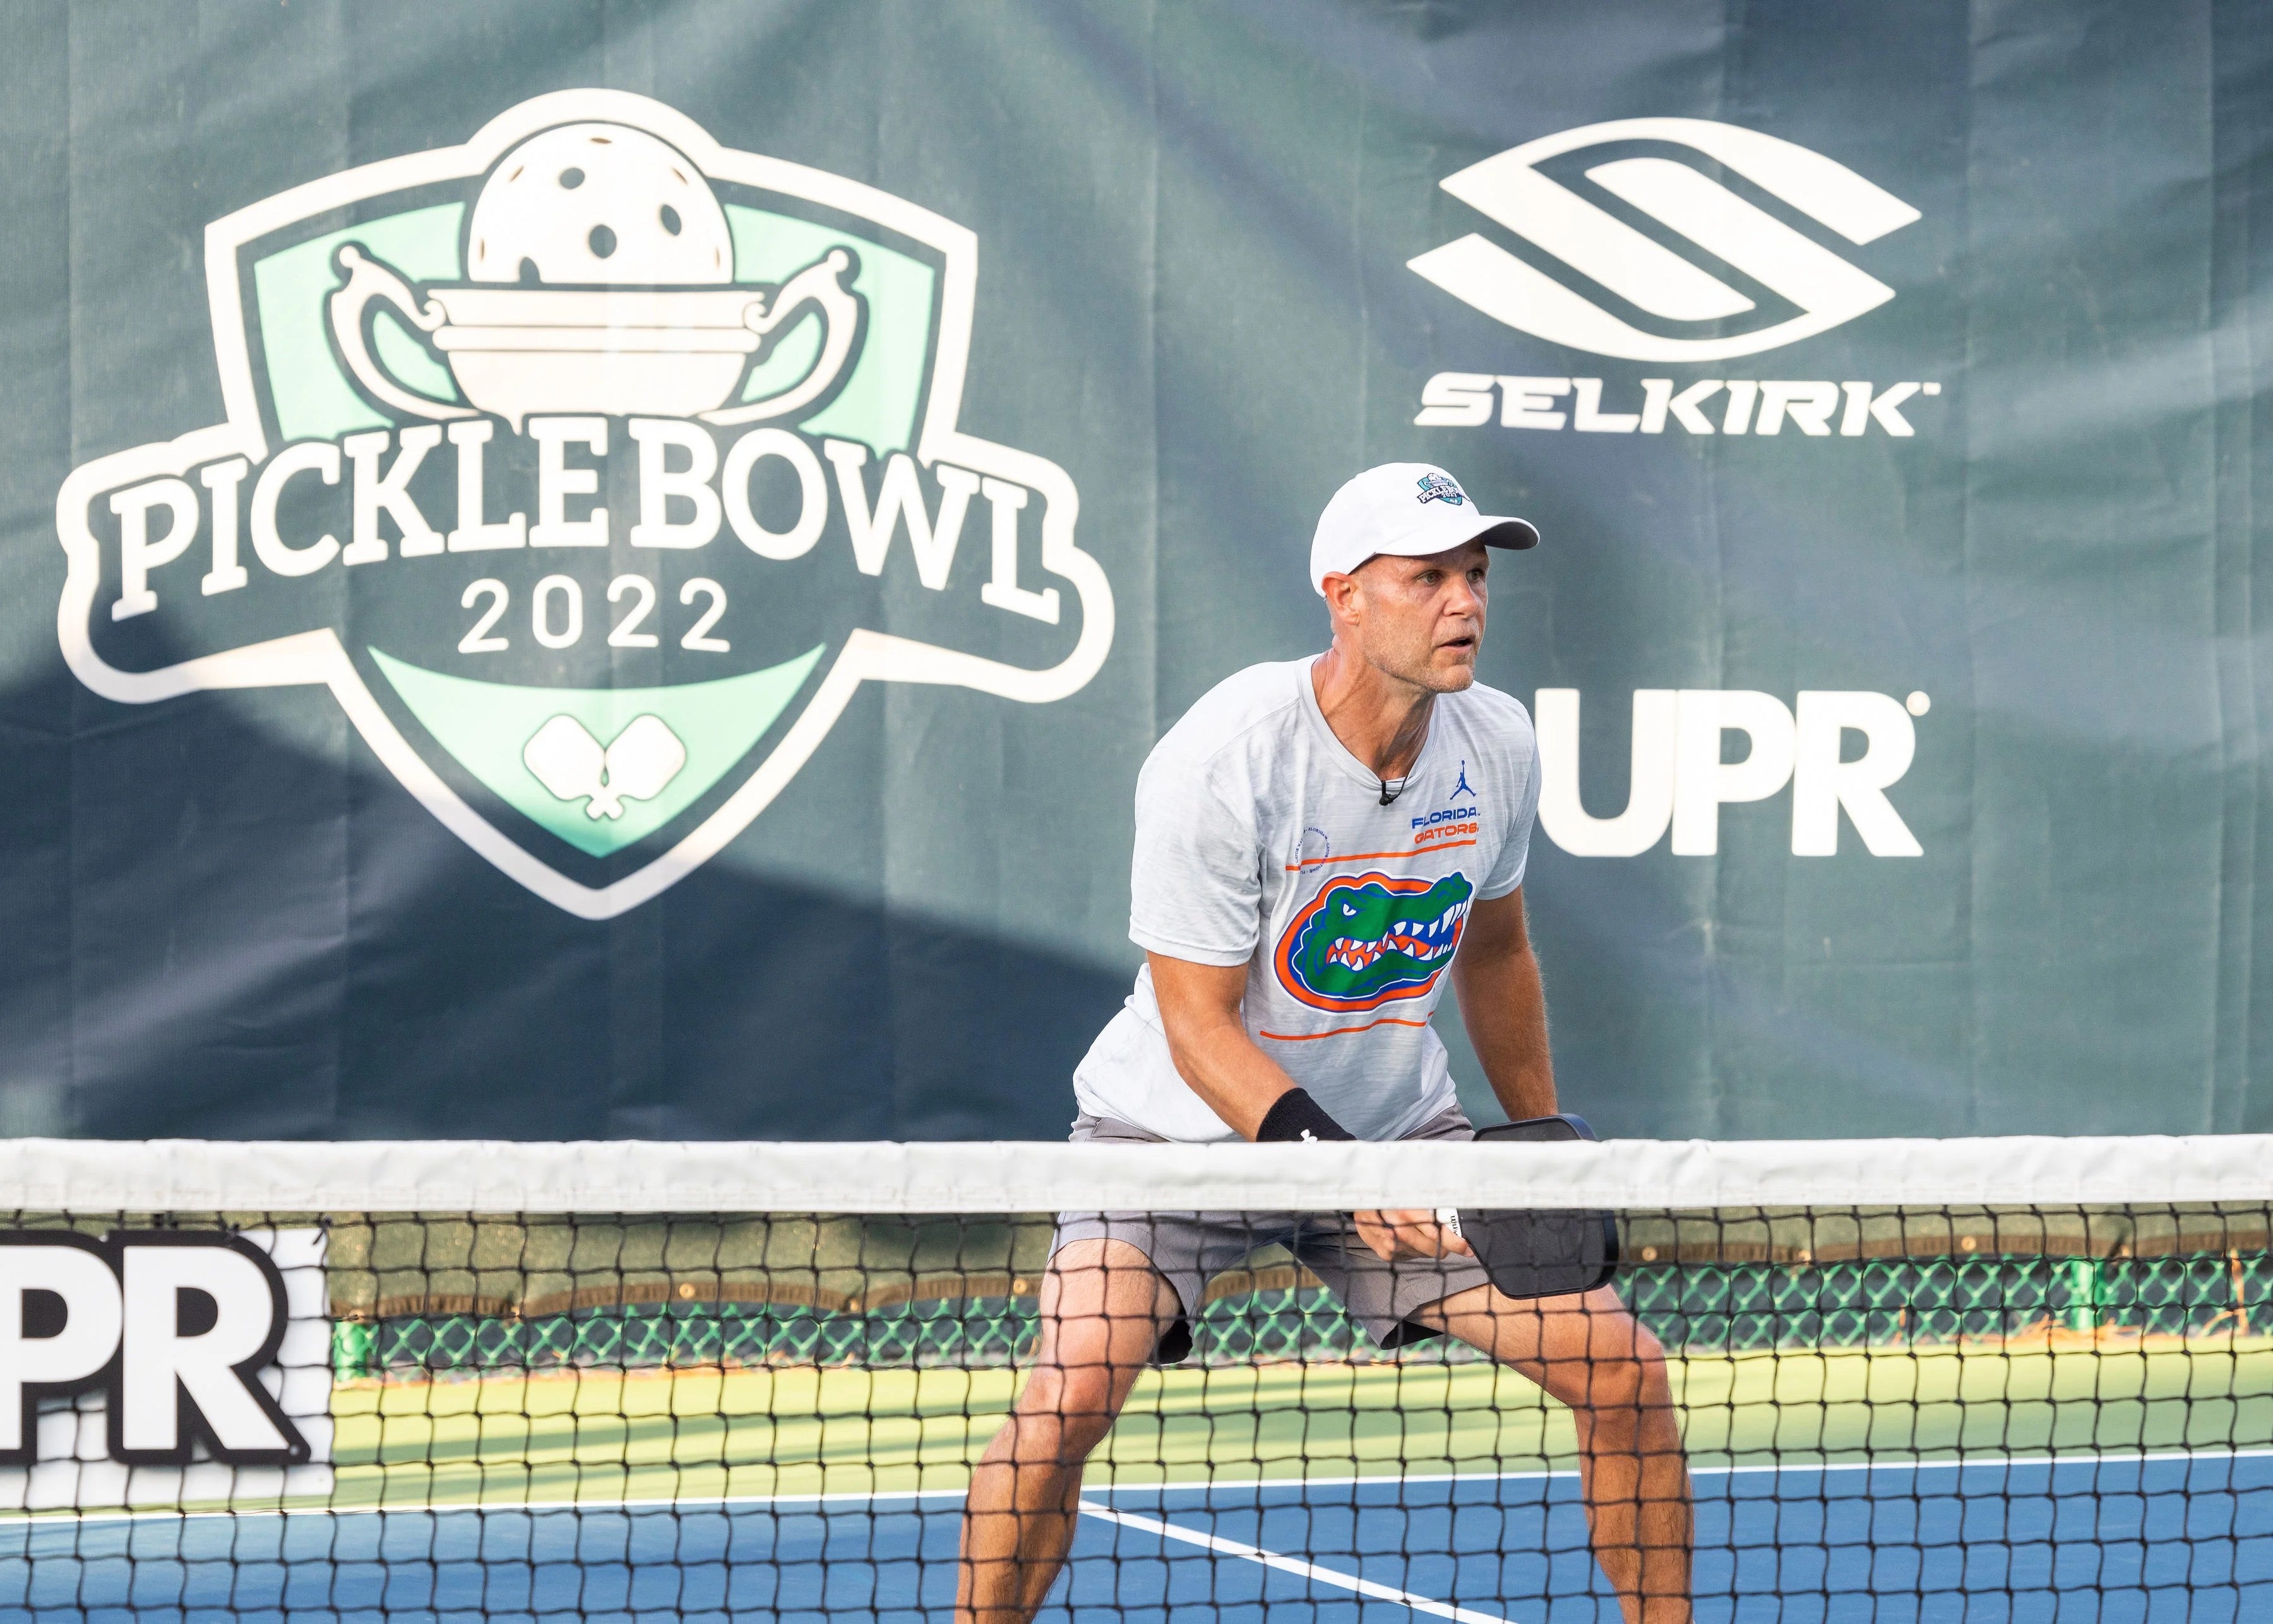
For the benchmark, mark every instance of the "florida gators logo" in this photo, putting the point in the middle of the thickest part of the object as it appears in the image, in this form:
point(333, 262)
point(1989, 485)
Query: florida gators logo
point(1368, 939)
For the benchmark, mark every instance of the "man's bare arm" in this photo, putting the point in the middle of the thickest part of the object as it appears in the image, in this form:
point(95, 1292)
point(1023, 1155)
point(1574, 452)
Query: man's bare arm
point(1496, 977)
point(1200, 1011)
point(1199, 1007)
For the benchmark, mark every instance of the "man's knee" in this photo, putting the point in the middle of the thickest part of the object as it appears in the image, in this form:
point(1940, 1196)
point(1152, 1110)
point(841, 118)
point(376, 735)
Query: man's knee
point(1075, 1391)
point(1066, 1410)
point(1622, 1371)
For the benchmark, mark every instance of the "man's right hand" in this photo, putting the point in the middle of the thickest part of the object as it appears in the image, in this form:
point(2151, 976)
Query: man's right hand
point(1200, 1012)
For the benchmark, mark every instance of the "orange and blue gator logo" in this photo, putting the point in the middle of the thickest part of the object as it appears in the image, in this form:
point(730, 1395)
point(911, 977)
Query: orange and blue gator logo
point(1369, 939)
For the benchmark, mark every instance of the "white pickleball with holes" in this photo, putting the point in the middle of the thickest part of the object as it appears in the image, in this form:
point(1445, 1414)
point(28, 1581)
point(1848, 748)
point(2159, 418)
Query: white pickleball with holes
point(599, 204)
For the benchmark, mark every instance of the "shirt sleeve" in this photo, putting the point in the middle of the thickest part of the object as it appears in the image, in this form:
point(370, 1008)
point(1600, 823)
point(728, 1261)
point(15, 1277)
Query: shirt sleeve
point(1515, 850)
point(1195, 881)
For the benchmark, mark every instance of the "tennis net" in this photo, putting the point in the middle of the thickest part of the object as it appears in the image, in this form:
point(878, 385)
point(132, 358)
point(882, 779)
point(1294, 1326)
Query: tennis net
point(1894, 1380)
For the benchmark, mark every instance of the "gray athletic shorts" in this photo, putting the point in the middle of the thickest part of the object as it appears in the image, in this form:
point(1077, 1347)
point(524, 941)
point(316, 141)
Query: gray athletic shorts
point(1190, 1249)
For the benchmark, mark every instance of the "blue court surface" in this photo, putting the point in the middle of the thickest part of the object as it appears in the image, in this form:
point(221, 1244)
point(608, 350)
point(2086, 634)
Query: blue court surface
point(2157, 1538)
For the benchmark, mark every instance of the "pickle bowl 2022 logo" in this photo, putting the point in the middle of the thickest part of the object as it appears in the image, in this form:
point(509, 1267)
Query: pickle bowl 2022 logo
point(593, 467)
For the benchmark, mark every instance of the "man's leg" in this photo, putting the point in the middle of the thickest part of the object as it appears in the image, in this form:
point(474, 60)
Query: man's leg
point(1103, 1308)
point(1591, 1354)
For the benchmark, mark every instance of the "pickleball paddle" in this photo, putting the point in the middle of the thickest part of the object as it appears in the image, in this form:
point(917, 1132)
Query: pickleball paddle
point(1542, 1253)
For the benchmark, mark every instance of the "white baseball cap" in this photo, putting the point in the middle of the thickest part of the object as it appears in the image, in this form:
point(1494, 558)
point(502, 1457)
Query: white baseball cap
point(1406, 510)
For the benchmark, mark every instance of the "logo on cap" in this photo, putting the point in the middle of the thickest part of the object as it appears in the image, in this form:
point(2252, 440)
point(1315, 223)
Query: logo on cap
point(1441, 488)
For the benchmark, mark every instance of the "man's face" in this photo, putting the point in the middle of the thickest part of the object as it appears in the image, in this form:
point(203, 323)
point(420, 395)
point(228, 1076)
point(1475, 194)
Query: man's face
point(1422, 620)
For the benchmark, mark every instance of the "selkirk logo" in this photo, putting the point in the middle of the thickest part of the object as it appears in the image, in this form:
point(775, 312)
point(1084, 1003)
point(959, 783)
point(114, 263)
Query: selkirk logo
point(1610, 278)
point(576, 462)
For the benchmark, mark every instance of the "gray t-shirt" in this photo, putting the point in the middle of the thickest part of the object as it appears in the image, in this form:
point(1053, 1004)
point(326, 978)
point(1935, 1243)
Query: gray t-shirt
point(1261, 841)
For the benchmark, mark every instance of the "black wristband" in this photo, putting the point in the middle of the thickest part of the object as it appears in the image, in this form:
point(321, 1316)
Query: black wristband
point(1294, 1116)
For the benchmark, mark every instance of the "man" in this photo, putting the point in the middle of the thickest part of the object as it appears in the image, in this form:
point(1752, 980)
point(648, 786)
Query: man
point(1317, 842)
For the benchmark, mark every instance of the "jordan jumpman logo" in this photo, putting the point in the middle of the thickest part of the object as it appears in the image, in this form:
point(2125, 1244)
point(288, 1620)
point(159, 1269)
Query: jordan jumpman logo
point(1461, 788)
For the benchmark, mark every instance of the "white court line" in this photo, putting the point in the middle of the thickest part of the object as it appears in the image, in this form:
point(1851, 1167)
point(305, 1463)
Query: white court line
point(1292, 1564)
point(872, 1496)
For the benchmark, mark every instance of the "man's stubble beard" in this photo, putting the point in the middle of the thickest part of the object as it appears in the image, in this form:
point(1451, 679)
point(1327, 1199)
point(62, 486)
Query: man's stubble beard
point(1459, 680)
point(1423, 673)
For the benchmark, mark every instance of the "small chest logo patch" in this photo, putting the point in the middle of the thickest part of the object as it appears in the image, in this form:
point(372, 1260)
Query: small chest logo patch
point(1368, 939)
point(1453, 823)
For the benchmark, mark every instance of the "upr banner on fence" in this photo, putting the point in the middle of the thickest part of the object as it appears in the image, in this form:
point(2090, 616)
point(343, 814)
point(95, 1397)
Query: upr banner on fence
point(600, 572)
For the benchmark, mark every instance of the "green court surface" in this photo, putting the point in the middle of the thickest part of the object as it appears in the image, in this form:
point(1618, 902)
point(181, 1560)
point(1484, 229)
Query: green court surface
point(611, 1435)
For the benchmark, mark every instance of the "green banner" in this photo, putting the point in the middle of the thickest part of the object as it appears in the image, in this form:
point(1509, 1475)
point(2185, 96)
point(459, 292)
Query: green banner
point(589, 571)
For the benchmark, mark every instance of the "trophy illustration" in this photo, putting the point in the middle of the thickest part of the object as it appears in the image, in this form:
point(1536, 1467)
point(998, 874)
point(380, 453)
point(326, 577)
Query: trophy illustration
point(600, 278)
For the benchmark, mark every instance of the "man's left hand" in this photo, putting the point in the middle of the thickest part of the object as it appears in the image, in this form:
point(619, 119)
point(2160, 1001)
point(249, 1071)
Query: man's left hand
point(1408, 1234)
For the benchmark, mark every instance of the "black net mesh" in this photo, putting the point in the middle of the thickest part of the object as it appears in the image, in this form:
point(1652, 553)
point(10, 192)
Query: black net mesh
point(2012, 1413)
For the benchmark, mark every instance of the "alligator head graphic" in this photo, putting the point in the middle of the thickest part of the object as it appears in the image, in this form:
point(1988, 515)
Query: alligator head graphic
point(1368, 939)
